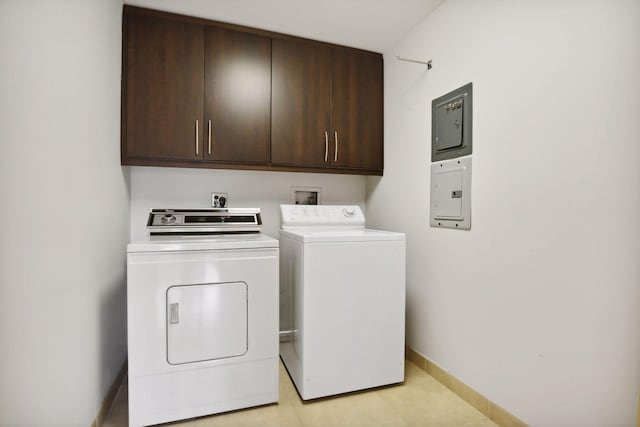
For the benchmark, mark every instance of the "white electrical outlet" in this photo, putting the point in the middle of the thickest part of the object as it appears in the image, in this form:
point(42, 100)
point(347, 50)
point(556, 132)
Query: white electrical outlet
point(219, 200)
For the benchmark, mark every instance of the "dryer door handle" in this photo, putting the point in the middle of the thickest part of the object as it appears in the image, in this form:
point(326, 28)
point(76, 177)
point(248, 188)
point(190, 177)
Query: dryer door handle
point(174, 313)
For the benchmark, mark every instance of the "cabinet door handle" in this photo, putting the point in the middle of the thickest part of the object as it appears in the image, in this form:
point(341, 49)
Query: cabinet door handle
point(335, 154)
point(209, 137)
point(326, 145)
point(197, 153)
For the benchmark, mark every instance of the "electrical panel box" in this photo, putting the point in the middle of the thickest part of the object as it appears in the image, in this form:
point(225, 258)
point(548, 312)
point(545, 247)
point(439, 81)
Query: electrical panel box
point(451, 194)
point(451, 124)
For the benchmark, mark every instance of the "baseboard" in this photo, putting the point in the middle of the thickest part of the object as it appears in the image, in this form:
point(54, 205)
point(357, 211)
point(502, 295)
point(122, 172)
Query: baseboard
point(107, 402)
point(492, 411)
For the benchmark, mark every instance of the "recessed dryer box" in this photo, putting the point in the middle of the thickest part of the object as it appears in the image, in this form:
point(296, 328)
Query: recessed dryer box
point(451, 122)
point(451, 194)
point(306, 195)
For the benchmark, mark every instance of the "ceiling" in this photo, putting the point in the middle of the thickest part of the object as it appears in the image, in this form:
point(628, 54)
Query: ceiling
point(366, 24)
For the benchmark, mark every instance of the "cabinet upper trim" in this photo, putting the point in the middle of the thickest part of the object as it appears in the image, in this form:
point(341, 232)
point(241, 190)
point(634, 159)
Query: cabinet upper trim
point(202, 21)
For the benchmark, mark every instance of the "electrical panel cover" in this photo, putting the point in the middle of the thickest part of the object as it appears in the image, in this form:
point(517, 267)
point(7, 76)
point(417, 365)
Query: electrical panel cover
point(451, 124)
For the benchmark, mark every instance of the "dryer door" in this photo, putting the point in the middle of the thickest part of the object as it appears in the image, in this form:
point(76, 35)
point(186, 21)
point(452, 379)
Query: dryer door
point(206, 322)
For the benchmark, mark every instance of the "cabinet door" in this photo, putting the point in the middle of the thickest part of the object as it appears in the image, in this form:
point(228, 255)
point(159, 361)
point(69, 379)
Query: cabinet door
point(300, 103)
point(356, 110)
point(163, 72)
point(237, 108)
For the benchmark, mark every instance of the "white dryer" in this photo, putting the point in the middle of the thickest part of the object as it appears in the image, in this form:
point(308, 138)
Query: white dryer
point(202, 307)
point(342, 295)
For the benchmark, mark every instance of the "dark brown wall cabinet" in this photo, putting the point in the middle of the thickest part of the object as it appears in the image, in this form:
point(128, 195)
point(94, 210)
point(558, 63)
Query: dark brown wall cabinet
point(195, 92)
point(203, 94)
point(326, 106)
point(237, 96)
point(164, 89)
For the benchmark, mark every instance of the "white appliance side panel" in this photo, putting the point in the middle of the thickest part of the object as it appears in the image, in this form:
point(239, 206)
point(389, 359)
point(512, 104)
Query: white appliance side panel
point(354, 316)
point(206, 322)
point(291, 294)
point(150, 275)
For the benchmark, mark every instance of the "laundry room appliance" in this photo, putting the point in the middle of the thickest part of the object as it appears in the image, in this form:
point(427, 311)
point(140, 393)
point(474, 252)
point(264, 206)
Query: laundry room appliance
point(202, 308)
point(342, 295)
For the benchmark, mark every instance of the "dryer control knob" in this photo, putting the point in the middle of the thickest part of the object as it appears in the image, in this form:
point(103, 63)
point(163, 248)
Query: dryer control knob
point(168, 219)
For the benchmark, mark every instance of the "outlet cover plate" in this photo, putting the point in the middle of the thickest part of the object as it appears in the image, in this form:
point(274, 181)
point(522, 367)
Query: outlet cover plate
point(215, 200)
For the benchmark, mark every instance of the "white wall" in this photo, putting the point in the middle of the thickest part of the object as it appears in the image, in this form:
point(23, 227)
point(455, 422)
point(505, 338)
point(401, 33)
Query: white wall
point(538, 305)
point(153, 187)
point(65, 210)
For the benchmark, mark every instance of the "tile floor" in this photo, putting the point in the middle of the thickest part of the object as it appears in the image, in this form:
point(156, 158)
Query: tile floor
point(420, 401)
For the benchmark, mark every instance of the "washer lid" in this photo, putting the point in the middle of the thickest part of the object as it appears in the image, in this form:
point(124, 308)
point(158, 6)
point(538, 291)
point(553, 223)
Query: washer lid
point(328, 235)
point(202, 243)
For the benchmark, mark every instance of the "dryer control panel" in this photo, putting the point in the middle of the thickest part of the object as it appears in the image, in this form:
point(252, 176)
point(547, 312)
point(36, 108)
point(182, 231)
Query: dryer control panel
point(321, 215)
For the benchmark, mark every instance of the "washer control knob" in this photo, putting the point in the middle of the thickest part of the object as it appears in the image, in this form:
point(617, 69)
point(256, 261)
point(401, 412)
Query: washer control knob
point(348, 212)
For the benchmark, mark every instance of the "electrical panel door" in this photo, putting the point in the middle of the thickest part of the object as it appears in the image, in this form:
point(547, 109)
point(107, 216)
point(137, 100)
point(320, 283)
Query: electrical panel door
point(451, 124)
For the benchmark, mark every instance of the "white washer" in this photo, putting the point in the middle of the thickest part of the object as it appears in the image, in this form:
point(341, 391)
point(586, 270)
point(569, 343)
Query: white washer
point(342, 295)
point(202, 325)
